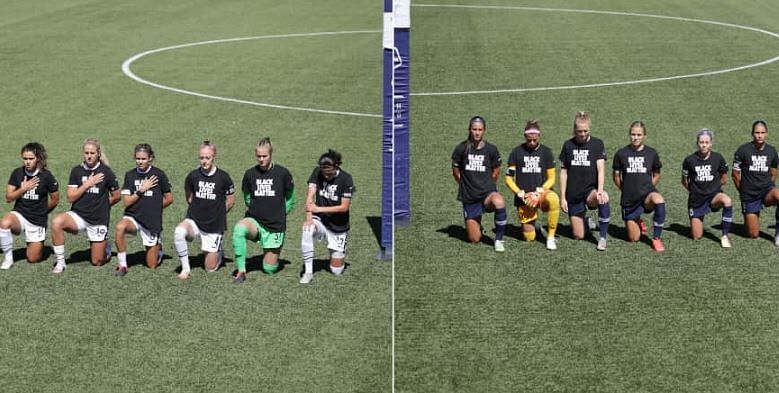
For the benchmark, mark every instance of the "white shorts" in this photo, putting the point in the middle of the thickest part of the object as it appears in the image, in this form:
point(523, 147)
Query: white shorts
point(209, 242)
point(32, 232)
point(149, 239)
point(95, 233)
point(336, 241)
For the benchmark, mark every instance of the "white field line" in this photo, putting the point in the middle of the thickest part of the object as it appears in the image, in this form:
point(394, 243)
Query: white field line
point(126, 69)
point(604, 84)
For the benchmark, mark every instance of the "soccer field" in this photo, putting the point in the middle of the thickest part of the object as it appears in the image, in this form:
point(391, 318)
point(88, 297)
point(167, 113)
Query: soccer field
point(89, 331)
point(695, 318)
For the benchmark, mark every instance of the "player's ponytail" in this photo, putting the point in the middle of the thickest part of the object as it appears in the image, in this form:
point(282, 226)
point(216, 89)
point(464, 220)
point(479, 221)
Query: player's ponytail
point(39, 151)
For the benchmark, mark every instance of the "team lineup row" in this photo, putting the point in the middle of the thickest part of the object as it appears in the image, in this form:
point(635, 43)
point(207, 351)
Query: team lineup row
point(530, 175)
point(268, 191)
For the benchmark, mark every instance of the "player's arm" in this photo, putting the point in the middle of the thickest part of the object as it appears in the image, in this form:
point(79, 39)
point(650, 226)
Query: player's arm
point(601, 166)
point(54, 200)
point(723, 178)
point(685, 181)
point(310, 204)
point(510, 183)
point(114, 197)
point(342, 208)
point(13, 193)
point(496, 173)
point(655, 177)
point(289, 199)
point(167, 199)
point(229, 202)
point(76, 192)
point(773, 171)
point(617, 177)
point(735, 174)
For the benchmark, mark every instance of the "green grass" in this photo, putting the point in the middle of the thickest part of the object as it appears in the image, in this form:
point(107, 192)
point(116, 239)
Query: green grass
point(88, 331)
point(696, 318)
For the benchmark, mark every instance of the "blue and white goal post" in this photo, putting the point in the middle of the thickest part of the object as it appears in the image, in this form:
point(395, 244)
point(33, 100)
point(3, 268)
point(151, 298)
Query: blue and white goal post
point(395, 189)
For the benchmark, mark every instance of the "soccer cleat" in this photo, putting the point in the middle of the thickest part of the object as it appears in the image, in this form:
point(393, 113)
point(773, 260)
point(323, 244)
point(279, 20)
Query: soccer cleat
point(657, 244)
point(499, 247)
point(183, 275)
point(7, 264)
point(642, 225)
point(160, 255)
point(725, 241)
point(776, 241)
point(602, 244)
point(121, 271)
point(239, 278)
point(108, 251)
point(551, 244)
point(58, 268)
point(306, 278)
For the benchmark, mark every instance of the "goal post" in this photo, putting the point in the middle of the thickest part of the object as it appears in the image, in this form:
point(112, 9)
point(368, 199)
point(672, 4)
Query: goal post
point(396, 193)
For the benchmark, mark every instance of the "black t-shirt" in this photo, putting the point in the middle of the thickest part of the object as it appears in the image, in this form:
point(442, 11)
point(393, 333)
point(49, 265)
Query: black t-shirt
point(755, 170)
point(148, 209)
point(268, 191)
point(530, 167)
point(93, 206)
point(208, 192)
point(703, 176)
point(476, 167)
point(330, 193)
point(581, 164)
point(636, 168)
point(33, 205)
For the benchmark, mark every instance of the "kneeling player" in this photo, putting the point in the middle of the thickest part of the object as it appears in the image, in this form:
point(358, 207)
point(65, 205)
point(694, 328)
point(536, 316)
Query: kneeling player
point(636, 173)
point(531, 176)
point(703, 175)
point(146, 191)
point(269, 194)
point(330, 192)
point(210, 194)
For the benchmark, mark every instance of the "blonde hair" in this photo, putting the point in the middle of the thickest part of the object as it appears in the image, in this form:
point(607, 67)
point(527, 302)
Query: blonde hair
point(581, 117)
point(100, 152)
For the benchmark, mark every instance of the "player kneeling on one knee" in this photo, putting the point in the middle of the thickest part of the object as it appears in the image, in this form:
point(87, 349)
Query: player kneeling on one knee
point(269, 194)
point(146, 191)
point(531, 176)
point(329, 197)
point(210, 194)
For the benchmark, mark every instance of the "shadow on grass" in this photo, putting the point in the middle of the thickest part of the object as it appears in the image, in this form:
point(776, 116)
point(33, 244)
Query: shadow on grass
point(20, 254)
point(458, 232)
point(198, 261)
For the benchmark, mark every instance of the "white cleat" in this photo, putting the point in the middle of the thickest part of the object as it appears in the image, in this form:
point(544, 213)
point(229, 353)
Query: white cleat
point(499, 247)
point(307, 278)
point(602, 244)
point(725, 241)
point(592, 223)
point(551, 244)
point(58, 268)
point(6, 264)
point(183, 275)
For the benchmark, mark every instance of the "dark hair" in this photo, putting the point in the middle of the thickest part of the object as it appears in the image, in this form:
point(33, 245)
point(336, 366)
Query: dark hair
point(144, 147)
point(637, 123)
point(39, 151)
point(759, 123)
point(331, 157)
point(475, 119)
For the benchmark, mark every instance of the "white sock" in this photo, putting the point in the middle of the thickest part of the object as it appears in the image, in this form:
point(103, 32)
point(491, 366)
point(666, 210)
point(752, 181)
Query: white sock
point(337, 270)
point(59, 254)
point(122, 256)
point(307, 249)
point(7, 244)
point(180, 242)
